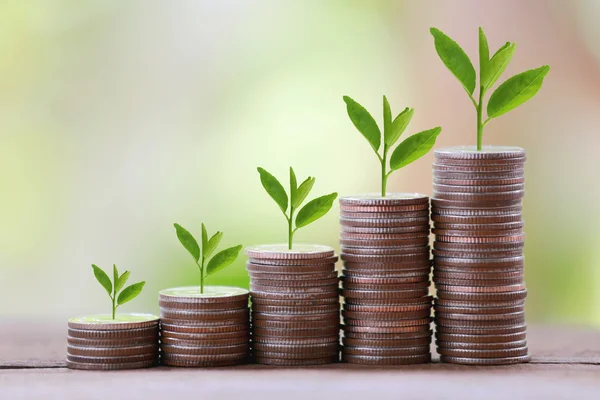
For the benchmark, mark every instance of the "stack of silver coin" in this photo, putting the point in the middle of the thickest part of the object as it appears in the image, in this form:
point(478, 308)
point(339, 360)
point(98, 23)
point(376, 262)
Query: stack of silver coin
point(478, 255)
point(385, 282)
point(295, 304)
point(208, 329)
point(104, 342)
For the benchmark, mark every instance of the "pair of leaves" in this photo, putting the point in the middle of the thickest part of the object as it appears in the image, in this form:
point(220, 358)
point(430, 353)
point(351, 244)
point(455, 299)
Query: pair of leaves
point(312, 211)
point(392, 129)
point(510, 94)
point(491, 69)
point(407, 151)
point(298, 193)
point(120, 281)
point(220, 261)
point(210, 245)
point(128, 294)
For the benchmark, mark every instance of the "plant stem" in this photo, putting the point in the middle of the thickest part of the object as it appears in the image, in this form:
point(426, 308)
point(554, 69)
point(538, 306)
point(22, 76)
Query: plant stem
point(384, 176)
point(201, 268)
point(290, 228)
point(202, 277)
point(479, 119)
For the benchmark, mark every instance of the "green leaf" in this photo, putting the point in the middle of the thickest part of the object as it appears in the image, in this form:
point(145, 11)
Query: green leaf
point(364, 122)
point(516, 91)
point(399, 126)
point(103, 279)
point(455, 59)
point(413, 148)
point(387, 120)
point(204, 241)
point(497, 65)
point(223, 259)
point(315, 209)
point(122, 281)
point(115, 276)
point(212, 244)
point(188, 241)
point(130, 293)
point(293, 186)
point(274, 189)
point(501, 48)
point(484, 55)
point(303, 191)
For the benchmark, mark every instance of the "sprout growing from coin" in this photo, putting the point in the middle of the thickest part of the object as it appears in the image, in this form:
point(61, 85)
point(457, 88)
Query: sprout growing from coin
point(409, 150)
point(312, 211)
point(201, 256)
point(113, 288)
point(509, 95)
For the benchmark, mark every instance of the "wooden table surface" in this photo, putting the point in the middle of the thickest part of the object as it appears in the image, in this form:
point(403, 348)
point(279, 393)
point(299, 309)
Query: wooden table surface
point(566, 364)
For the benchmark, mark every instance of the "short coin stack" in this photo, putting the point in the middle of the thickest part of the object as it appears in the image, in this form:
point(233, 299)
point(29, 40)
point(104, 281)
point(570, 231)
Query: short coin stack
point(478, 255)
point(100, 342)
point(211, 329)
point(385, 282)
point(295, 304)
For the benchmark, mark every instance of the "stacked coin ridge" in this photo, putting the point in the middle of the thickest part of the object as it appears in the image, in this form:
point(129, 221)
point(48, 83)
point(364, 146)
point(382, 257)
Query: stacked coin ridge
point(295, 304)
point(204, 330)
point(385, 281)
point(102, 343)
point(478, 255)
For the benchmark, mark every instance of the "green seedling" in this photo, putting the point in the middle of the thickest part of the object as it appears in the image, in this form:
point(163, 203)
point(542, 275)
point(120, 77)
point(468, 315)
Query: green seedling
point(509, 95)
point(220, 261)
point(312, 211)
point(411, 149)
point(113, 288)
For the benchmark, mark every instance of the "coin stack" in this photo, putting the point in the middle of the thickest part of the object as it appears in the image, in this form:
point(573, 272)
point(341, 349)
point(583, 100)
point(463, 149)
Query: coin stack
point(478, 255)
point(101, 342)
point(385, 282)
point(211, 329)
point(295, 304)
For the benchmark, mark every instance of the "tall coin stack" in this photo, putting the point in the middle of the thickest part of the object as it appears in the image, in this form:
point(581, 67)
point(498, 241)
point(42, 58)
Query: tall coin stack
point(385, 282)
point(101, 342)
point(211, 329)
point(478, 255)
point(295, 304)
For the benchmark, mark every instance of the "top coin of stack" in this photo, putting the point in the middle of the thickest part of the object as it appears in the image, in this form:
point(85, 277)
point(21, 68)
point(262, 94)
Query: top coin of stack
point(210, 329)
point(478, 255)
point(99, 342)
point(387, 307)
point(295, 304)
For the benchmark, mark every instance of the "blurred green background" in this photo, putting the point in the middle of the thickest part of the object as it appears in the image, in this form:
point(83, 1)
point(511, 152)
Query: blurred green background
point(118, 118)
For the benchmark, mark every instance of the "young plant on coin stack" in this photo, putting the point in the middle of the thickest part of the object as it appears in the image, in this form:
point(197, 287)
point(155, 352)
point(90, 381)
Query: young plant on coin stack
point(385, 249)
point(311, 212)
point(478, 225)
point(509, 95)
point(205, 326)
point(220, 261)
point(294, 287)
point(409, 150)
point(113, 341)
point(113, 288)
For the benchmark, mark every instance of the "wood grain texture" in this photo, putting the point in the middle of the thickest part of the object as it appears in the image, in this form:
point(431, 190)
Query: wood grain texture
point(566, 364)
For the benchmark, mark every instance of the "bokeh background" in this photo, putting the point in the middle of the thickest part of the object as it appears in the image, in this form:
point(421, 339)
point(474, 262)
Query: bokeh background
point(118, 118)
